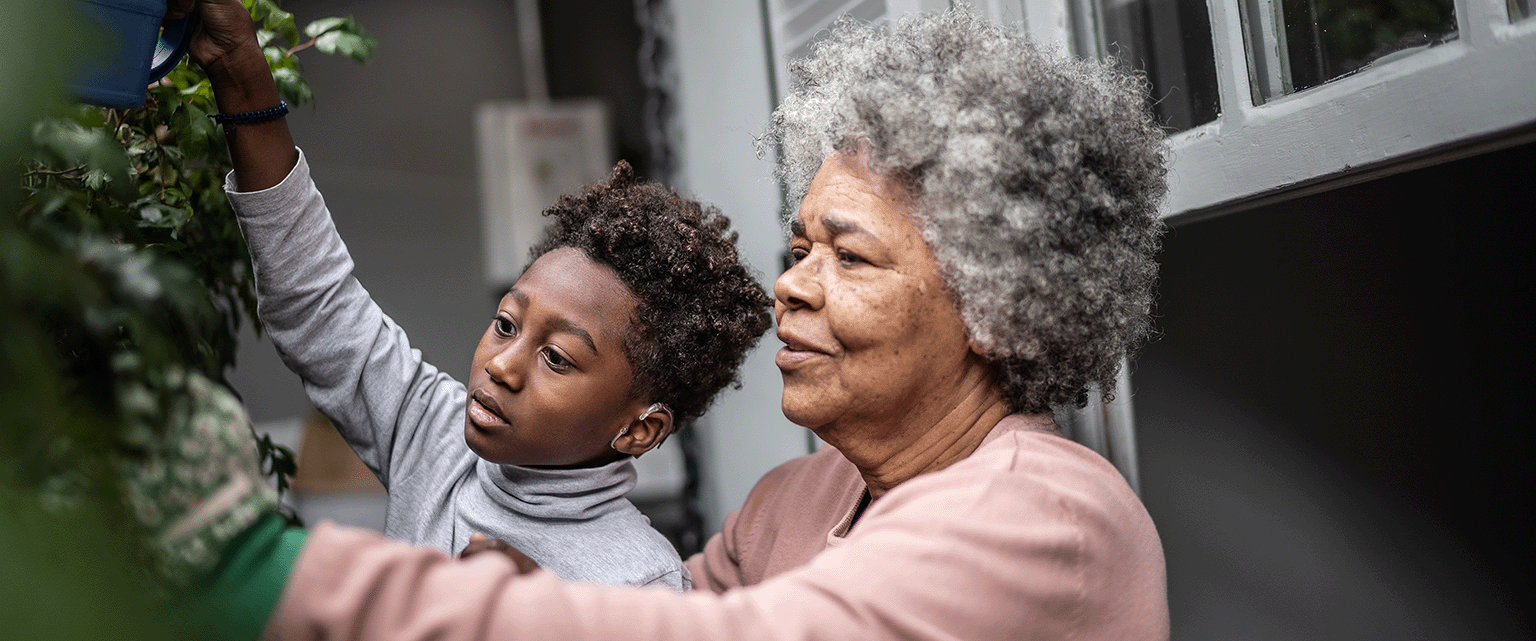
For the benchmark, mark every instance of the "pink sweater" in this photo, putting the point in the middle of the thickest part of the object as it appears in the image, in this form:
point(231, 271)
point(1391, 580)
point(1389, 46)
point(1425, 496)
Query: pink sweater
point(1031, 537)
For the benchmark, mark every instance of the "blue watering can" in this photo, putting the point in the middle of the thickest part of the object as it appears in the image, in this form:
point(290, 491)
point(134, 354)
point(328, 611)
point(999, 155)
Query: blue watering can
point(140, 51)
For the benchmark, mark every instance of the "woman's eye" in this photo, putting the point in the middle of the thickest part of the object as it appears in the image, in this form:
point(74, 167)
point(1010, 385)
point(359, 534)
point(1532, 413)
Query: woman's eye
point(504, 326)
point(555, 360)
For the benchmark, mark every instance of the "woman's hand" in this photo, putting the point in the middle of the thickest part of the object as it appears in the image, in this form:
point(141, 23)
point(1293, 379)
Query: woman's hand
point(225, 41)
point(481, 543)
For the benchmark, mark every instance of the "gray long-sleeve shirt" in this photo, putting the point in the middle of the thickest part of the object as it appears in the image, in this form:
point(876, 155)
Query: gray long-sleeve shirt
point(405, 419)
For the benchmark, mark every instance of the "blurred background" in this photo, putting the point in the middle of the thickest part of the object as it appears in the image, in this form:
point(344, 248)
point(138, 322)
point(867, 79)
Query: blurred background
point(1325, 432)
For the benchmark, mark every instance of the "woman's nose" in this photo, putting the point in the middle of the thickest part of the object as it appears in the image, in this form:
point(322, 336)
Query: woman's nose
point(799, 287)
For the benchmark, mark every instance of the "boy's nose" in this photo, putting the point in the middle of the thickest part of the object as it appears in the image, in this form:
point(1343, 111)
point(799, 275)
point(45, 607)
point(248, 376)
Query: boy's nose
point(507, 368)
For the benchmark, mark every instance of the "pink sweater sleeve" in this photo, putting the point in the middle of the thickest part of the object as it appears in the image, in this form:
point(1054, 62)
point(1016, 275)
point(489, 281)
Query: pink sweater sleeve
point(718, 567)
point(353, 584)
point(1051, 549)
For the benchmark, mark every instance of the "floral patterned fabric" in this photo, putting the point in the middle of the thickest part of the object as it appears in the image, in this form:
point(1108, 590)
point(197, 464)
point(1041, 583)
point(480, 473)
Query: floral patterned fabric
point(195, 481)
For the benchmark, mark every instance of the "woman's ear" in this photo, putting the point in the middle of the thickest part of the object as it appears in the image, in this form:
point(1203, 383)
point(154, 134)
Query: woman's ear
point(646, 431)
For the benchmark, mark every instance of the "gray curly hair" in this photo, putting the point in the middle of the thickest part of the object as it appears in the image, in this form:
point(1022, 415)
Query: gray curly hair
point(1036, 176)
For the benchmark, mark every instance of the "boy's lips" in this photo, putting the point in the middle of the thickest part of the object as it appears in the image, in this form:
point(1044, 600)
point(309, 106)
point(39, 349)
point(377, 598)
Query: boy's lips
point(484, 411)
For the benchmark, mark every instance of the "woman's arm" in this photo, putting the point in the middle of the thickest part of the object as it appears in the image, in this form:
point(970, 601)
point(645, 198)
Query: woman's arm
point(1044, 544)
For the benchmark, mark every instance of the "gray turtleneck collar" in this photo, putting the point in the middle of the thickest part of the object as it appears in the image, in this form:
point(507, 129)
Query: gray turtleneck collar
point(575, 522)
point(559, 494)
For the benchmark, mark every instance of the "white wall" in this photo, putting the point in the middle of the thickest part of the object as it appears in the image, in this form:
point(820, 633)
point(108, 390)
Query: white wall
point(723, 102)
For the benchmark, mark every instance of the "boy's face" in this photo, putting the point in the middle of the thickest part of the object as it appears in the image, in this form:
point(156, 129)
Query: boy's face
point(550, 382)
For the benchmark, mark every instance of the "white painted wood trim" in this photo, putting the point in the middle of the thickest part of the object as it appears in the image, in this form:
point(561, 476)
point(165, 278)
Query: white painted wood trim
point(1482, 84)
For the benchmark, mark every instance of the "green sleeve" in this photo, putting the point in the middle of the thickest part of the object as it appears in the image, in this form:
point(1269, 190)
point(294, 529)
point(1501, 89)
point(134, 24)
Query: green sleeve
point(234, 602)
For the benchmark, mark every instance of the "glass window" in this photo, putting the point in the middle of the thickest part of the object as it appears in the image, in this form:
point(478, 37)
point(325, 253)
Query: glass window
point(1171, 41)
point(1299, 44)
point(1519, 9)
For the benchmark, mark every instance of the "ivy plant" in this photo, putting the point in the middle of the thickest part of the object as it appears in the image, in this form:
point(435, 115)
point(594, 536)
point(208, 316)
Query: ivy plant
point(121, 260)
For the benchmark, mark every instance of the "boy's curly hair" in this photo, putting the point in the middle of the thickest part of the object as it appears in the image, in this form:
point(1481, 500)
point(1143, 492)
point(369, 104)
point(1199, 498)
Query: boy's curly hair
point(700, 309)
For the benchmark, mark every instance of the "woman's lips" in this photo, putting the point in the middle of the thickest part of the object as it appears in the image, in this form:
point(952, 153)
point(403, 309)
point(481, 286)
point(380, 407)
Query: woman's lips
point(796, 352)
point(789, 358)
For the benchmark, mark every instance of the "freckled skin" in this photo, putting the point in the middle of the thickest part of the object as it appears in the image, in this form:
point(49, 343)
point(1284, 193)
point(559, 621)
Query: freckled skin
point(877, 360)
point(562, 400)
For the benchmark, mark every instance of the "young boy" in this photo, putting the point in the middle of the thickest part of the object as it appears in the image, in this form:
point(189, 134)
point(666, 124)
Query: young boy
point(634, 314)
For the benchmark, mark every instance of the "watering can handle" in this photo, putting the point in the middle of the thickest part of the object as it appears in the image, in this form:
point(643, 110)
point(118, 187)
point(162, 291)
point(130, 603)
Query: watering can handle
point(175, 35)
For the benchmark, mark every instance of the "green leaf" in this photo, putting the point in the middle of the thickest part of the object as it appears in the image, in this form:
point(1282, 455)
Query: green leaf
point(293, 87)
point(324, 25)
point(91, 117)
point(282, 22)
point(264, 37)
point(68, 144)
point(192, 128)
point(164, 173)
point(96, 179)
point(358, 47)
point(200, 93)
point(261, 9)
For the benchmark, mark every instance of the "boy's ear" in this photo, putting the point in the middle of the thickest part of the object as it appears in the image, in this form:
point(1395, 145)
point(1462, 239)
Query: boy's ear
point(647, 431)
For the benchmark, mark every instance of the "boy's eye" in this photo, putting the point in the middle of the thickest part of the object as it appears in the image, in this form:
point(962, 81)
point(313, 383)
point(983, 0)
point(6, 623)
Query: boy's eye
point(555, 360)
point(504, 326)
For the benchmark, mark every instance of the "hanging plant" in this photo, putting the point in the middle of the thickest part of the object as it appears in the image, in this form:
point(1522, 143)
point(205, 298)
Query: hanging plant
point(120, 263)
point(137, 195)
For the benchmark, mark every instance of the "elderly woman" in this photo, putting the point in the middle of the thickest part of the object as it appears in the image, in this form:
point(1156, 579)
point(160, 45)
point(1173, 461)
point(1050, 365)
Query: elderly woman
point(974, 246)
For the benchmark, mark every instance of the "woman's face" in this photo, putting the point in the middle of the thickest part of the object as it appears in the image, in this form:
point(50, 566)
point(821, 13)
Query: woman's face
point(550, 379)
point(871, 334)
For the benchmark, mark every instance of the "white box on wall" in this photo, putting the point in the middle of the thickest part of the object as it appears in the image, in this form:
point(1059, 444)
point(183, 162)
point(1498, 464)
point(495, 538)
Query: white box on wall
point(530, 154)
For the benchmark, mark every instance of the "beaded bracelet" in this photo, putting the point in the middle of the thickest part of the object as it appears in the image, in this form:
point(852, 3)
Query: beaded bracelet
point(252, 117)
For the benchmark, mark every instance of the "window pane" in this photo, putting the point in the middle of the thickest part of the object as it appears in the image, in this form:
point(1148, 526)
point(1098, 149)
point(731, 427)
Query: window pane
point(1519, 10)
point(1171, 40)
point(1324, 39)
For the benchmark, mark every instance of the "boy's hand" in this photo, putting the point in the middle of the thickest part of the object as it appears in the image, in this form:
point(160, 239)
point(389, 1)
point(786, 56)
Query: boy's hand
point(225, 46)
point(481, 543)
point(225, 41)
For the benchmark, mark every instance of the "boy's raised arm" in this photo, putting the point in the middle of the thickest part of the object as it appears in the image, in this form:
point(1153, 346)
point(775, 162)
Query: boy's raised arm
point(358, 366)
point(226, 49)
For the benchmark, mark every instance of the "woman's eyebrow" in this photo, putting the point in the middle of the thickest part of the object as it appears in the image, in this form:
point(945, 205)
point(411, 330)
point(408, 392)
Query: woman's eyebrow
point(834, 226)
point(838, 226)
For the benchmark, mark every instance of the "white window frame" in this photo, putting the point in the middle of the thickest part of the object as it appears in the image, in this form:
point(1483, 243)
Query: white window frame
point(1463, 97)
point(1474, 94)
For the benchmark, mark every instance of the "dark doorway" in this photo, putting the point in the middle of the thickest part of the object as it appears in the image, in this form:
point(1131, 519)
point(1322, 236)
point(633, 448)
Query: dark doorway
point(1332, 422)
